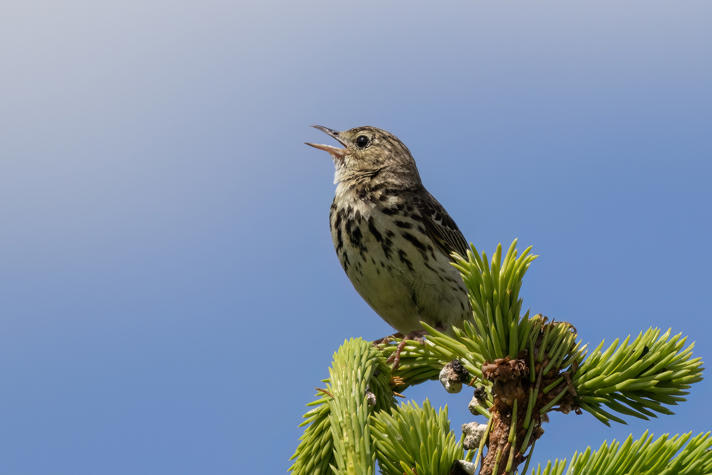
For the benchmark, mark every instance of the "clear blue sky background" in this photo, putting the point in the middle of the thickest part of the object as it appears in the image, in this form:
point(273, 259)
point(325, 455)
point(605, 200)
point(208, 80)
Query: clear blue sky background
point(169, 293)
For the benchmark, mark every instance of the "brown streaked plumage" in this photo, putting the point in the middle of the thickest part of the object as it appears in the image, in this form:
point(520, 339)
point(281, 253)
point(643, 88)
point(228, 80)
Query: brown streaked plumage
point(392, 237)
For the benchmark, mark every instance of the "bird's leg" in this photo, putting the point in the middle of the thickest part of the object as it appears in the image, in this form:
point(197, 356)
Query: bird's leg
point(387, 339)
point(417, 335)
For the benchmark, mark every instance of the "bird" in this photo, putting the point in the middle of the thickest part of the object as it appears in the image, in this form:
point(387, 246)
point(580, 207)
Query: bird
point(394, 240)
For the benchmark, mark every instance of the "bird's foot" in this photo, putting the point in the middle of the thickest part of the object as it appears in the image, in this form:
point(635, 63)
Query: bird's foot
point(417, 335)
point(387, 339)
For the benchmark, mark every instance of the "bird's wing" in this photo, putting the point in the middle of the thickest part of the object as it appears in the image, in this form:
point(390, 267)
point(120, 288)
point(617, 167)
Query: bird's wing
point(440, 226)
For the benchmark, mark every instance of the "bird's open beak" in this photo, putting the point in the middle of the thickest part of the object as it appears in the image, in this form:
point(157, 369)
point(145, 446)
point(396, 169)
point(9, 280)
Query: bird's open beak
point(334, 151)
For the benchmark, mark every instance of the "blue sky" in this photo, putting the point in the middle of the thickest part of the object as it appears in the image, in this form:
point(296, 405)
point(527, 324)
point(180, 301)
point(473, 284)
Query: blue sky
point(170, 295)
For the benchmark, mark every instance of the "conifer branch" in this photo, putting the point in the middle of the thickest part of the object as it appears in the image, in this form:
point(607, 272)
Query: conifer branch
point(493, 288)
point(676, 455)
point(415, 440)
point(522, 367)
point(638, 378)
point(338, 437)
point(315, 452)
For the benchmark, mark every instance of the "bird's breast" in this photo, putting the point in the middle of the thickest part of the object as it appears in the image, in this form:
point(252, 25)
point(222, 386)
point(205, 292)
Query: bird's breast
point(384, 249)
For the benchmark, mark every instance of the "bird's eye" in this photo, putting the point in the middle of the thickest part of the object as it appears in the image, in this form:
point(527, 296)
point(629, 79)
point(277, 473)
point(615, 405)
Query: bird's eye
point(362, 141)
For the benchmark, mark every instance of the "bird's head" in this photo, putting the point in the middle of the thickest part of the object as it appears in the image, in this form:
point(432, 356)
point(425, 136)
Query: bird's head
point(369, 152)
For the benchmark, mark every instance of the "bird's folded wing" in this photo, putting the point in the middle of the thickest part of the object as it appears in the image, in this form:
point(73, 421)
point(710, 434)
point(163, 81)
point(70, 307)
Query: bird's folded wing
point(440, 226)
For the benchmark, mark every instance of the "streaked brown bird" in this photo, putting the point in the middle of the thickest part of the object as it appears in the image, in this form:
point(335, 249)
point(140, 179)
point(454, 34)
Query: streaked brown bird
point(392, 237)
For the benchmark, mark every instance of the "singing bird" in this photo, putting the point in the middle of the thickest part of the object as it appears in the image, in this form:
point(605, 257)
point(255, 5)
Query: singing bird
point(393, 238)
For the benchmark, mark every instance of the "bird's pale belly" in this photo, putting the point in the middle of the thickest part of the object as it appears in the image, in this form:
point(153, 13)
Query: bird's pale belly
point(397, 271)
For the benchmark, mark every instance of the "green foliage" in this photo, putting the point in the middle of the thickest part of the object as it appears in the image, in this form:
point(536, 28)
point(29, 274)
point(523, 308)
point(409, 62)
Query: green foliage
point(420, 362)
point(356, 367)
point(315, 453)
point(637, 378)
point(496, 330)
point(665, 456)
point(354, 420)
point(494, 295)
point(415, 440)
point(338, 437)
